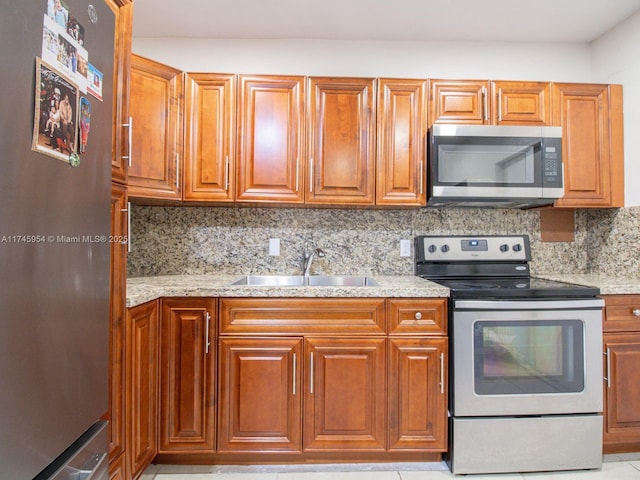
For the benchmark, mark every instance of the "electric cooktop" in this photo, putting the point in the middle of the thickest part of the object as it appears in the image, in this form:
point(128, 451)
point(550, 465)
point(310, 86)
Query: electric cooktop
point(480, 267)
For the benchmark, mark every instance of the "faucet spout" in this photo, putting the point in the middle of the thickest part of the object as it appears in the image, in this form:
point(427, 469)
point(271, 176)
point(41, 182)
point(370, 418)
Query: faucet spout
point(308, 258)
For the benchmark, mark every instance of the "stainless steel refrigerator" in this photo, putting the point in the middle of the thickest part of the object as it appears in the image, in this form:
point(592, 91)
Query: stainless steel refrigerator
point(54, 242)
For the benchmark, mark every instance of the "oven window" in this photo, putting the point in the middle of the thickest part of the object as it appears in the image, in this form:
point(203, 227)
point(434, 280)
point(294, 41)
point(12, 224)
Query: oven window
point(486, 164)
point(520, 357)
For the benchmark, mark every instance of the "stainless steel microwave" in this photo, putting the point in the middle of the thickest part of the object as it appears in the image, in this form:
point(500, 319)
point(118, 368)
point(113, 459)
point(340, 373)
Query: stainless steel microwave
point(494, 166)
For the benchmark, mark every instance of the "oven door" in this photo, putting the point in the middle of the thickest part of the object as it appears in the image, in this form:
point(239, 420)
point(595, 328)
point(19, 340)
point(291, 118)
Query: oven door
point(526, 357)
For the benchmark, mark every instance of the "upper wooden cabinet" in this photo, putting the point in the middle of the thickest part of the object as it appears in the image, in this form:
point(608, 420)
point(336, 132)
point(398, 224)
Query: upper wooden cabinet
point(209, 145)
point(271, 156)
point(346, 141)
point(156, 121)
point(402, 129)
point(520, 103)
point(459, 101)
point(341, 141)
point(123, 11)
point(592, 145)
point(484, 102)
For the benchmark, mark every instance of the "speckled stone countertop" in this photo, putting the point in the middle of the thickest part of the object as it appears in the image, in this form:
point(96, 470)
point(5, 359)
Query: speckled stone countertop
point(608, 285)
point(144, 289)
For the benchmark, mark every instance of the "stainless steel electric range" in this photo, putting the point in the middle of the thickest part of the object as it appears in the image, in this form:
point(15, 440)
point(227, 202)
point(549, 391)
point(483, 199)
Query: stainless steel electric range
point(526, 367)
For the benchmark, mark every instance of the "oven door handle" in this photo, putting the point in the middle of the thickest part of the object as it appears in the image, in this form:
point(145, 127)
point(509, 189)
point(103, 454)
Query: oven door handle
point(559, 304)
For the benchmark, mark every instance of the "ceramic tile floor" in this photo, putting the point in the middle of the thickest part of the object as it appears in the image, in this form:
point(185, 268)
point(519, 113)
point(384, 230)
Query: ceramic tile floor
point(612, 469)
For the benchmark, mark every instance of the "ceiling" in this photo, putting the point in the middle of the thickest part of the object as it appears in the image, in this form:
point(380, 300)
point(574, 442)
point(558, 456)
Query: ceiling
point(389, 20)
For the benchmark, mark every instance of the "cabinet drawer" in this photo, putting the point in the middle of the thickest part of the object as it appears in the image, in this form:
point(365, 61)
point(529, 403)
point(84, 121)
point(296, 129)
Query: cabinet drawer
point(418, 316)
point(278, 316)
point(621, 313)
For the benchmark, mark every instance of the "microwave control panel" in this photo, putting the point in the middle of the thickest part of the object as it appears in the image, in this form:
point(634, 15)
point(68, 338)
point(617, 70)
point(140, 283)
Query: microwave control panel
point(552, 162)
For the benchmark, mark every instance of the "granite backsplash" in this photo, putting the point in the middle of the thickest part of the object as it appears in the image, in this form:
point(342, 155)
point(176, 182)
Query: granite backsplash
point(219, 240)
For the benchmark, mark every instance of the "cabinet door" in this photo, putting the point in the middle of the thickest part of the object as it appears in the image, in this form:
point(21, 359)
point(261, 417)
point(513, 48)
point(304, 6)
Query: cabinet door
point(270, 139)
point(187, 375)
point(117, 469)
point(459, 101)
point(260, 395)
point(521, 103)
point(155, 100)
point(345, 394)
point(210, 108)
point(402, 131)
point(142, 386)
point(116, 414)
point(123, 11)
point(341, 141)
point(622, 394)
point(590, 116)
point(418, 394)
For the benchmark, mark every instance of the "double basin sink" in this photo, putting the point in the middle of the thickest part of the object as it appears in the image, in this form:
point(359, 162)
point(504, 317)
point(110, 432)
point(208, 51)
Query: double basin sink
point(306, 281)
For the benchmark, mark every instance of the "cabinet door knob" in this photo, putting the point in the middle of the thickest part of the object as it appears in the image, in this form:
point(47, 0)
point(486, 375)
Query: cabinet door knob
point(418, 315)
point(636, 312)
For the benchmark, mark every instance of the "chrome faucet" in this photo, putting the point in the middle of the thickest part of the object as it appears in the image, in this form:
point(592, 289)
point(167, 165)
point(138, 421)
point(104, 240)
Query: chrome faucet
point(308, 257)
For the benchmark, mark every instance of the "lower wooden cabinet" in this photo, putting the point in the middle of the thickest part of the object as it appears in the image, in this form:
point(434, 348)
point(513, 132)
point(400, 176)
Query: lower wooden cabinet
point(622, 393)
point(332, 376)
point(118, 468)
point(187, 375)
point(141, 386)
point(260, 395)
point(247, 379)
point(345, 394)
point(418, 393)
point(116, 414)
point(622, 373)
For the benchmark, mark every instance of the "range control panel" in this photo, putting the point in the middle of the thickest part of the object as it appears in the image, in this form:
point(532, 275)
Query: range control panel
point(472, 248)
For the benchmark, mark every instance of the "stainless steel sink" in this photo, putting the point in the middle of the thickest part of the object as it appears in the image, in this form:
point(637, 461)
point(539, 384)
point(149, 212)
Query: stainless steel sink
point(272, 280)
point(302, 281)
point(340, 281)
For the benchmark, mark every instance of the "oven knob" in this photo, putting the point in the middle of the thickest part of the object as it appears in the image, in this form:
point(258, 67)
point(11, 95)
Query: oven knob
point(444, 248)
point(504, 247)
point(517, 247)
point(432, 248)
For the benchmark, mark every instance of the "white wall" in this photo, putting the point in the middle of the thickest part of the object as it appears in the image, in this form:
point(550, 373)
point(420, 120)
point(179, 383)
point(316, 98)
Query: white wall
point(615, 59)
point(496, 61)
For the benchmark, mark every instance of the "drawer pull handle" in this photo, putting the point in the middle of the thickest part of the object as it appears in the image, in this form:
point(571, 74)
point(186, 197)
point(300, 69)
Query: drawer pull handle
point(311, 372)
point(607, 354)
point(295, 365)
point(207, 343)
point(442, 373)
point(418, 316)
point(636, 312)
